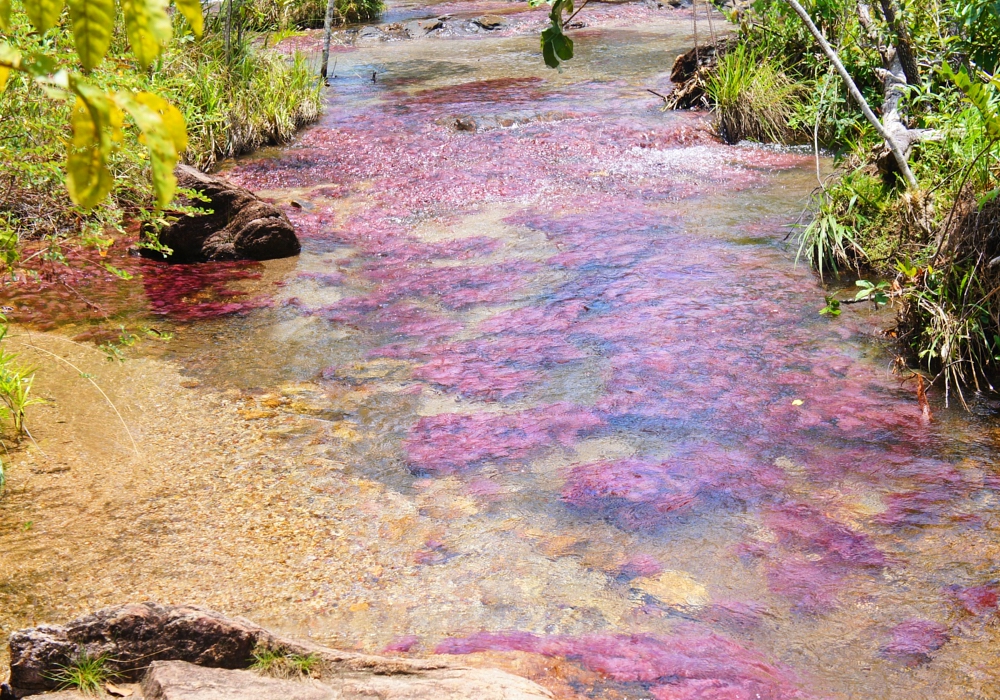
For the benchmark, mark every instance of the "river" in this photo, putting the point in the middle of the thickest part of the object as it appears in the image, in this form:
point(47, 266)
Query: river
point(550, 348)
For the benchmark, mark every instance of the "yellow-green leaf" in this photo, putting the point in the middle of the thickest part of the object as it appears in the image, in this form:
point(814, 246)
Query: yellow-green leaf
point(43, 13)
point(5, 15)
point(191, 9)
point(173, 121)
point(163, 133)
point(9, 58)
point(148, 28)
point(93, 23)
point(96, 124)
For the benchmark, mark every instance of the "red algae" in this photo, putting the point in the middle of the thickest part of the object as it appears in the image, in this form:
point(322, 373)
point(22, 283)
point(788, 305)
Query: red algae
point(981, 600)
point(48, 294)
point(913, 641)
point(637, 494)
point(453, 442)
point(599, 312)
point(681, 665)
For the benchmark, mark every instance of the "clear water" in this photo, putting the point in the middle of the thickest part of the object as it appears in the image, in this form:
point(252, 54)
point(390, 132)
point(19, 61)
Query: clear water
point(654, 470)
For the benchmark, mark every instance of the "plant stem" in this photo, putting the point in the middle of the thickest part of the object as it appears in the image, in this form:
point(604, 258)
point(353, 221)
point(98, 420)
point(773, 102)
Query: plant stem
point(327, 35)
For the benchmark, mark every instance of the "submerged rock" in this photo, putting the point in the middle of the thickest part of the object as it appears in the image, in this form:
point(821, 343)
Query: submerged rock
point(490, 22)
point(191, 653)
point(240, 226)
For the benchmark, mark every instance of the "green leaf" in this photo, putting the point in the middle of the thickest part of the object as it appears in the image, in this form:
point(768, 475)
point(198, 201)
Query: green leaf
point(981, 202)
point(191, 9)
point(556, 46)
point(148, 28)
point(5, 15)
point(832, 307)
point(119, 273)
point(96, 124)
point(173, 120)
point(43, 13)
point(10, 58)
point(980, 95)
point(93, 24)
point(163, 133)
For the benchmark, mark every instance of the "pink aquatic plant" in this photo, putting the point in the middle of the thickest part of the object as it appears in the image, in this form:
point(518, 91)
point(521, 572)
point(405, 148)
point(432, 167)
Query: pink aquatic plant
point(914, 641)
point(977, 600)
point(401, 645)
point(681, 663)
point(453, 442)
point(639, 494)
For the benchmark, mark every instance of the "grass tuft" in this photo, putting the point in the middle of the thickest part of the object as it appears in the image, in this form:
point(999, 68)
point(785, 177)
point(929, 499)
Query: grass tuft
point(281, 663)
point(754, 99)
point(87, 674)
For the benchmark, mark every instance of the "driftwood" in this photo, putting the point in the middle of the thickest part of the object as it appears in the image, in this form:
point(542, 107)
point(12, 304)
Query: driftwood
point(690, 73)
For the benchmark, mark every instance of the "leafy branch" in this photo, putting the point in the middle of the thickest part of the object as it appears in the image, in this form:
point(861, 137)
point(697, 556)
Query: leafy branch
point(97, 116)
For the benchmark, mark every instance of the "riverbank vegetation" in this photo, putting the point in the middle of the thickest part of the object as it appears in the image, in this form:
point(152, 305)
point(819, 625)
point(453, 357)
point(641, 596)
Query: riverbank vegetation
point(98, 102)
point(234, 95)
point(928, 217)
point(286, 15)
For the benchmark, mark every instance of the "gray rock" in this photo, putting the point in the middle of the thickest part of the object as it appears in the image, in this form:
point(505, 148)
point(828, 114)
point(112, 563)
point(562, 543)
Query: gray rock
point(191, 653)
point(178, 680)
point(423, 27)
point(370, 35)
point(240, 226)
point(132, 636)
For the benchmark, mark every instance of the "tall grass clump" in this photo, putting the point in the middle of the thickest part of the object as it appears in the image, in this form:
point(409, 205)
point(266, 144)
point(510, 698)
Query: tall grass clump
point(753, 98)
point(236, 105)
point(272, 15)
point(15, 387)
point(281, 663)
point(86, 674)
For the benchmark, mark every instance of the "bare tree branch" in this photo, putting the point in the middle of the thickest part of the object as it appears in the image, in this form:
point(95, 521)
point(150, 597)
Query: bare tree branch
point(891, 139)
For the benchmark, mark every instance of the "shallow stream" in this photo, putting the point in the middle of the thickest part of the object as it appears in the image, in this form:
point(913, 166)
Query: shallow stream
point(574, 343)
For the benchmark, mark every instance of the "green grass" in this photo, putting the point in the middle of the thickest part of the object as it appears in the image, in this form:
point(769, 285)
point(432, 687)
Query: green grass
point(273, 15)
point(280, 663)
point(87, 674)
point(232, 105)
point(753, 98)
point(15, 388)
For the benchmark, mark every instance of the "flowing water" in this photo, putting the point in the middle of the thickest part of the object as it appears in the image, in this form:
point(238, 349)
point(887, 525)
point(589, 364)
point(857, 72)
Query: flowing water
point(645, 466)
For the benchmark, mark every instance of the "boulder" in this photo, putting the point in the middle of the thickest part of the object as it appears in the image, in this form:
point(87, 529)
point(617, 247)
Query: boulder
point(369, 35)
point(177, 680)
point(240, 226)
point(490, 22)
point(191, 653)
point(132, 636)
